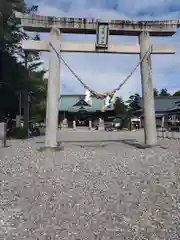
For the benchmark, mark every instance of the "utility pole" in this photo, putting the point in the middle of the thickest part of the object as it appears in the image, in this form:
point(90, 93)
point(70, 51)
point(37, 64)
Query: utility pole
point(26, 97)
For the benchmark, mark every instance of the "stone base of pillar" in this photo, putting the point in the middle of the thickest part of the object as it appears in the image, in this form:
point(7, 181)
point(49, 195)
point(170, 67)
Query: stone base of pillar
point(54, 149)
point(144, 146)
point(140, 145)
point(58, 148)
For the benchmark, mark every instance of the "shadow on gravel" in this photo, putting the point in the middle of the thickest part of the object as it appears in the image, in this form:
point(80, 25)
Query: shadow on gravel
point(91, 145)
point(102, 143)
point(90, 141)
point(136, 144)
point(53, 149)
point(6, 146)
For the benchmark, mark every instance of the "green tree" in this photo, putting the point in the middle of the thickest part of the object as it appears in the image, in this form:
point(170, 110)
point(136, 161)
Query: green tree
point(177, 94)
point(11, 73)
point(39, 93)
point(15, 77)
point(164, 93)
point(133, 102)
point(119, 106)
point(156, 93)
point(10, 31)
point(31, 62)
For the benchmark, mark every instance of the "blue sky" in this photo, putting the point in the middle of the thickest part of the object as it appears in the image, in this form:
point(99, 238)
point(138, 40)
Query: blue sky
point(104, 72)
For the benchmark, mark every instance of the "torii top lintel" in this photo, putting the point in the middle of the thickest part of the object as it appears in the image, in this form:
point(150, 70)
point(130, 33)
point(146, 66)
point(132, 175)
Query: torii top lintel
point(37, 23)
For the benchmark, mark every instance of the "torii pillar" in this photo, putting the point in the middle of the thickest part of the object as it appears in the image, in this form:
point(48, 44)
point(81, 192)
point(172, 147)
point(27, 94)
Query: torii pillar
point(52, 108)
point(147, 91)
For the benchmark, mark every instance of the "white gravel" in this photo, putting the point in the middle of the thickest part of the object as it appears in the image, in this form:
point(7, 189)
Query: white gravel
point(90, 190)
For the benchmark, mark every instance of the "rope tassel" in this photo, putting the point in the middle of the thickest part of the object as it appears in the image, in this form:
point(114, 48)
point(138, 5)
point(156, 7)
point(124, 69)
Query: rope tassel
point(106, 94)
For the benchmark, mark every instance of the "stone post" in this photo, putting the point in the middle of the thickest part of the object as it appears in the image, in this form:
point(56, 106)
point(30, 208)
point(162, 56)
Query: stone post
point(74, 125)
point(101, 125)
point(53, 91)
point(26, 97)
point(140, 123)
point(147, 91)
point(90, 124)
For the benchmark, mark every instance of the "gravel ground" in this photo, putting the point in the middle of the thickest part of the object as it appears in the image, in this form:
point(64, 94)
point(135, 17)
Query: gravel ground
point(100, 190)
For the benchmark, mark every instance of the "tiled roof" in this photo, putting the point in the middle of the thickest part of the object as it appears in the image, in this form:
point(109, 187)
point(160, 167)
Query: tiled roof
point(174, 109)
point(68, 101)
point(163, 104)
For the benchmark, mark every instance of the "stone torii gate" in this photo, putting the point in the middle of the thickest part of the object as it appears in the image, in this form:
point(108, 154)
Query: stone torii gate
point(56, 26)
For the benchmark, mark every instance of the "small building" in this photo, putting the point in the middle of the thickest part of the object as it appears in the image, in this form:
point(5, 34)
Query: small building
point(163, 106)
point(74, 107)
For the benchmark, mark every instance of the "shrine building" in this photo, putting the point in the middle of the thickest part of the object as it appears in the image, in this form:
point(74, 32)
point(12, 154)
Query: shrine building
point(74, 107)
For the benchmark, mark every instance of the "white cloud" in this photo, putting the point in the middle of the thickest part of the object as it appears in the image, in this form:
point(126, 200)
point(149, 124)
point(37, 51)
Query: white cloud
point(105, 72)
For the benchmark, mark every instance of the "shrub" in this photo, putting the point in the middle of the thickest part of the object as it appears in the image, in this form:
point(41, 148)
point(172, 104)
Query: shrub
point(19, 133)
